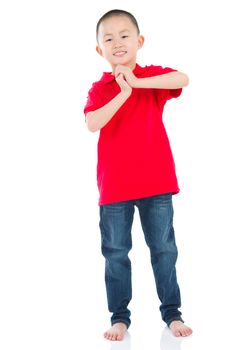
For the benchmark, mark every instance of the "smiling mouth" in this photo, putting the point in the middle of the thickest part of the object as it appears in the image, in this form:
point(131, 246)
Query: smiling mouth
point(120, 53)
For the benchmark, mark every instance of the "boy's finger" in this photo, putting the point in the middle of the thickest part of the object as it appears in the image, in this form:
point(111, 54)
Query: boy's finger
point(120, 76)
point(117, 73)
point(118, 70)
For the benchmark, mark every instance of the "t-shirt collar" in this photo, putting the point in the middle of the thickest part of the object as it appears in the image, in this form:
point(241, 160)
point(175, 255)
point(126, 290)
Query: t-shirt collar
point(108, 76)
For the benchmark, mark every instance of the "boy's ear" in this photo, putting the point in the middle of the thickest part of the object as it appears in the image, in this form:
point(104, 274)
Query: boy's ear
point(141, 40)
point(99, 51)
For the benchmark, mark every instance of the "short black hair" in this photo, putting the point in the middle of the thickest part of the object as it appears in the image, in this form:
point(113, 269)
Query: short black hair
point(117, 12)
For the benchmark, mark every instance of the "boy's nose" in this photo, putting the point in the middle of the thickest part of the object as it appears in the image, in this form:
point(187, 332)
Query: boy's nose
point(117, 44)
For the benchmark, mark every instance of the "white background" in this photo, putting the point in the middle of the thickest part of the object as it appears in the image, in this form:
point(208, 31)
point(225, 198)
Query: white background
point(52, 293)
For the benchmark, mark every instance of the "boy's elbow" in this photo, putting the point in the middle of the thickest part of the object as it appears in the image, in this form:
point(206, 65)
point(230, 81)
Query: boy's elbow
point(185, 79)
point(90, 125)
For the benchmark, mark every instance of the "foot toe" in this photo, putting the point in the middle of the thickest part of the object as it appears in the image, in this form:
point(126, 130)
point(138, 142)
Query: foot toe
point(189, 331)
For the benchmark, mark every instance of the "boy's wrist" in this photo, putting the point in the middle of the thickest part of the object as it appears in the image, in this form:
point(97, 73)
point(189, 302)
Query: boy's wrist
point(125, 93)
point(137, 83)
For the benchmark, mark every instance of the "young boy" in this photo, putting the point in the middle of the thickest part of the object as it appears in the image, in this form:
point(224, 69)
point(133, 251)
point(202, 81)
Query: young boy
point(135, 168)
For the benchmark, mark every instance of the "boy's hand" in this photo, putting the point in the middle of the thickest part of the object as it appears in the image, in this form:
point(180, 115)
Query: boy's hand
point(124, 86)
point(127, 73)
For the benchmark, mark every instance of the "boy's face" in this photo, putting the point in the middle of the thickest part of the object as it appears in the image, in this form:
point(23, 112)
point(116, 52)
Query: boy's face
point(118, 41)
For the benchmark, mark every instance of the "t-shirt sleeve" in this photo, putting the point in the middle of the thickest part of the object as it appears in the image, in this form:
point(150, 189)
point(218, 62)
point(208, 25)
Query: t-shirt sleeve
point(166, 94)
point(94, 100)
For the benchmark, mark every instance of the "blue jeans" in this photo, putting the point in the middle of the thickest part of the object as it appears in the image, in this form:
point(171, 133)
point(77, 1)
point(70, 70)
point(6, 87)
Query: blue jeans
point(156, 215)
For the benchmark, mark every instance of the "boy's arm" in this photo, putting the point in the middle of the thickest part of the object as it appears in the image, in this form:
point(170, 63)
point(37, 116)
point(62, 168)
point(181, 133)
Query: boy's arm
point(172, 80)
point(100, 117)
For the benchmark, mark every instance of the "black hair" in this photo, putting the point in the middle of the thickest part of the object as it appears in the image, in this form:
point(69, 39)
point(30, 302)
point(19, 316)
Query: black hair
point(117, 13)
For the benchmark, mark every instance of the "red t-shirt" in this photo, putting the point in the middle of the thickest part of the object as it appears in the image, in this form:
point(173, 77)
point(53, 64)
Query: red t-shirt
point(134, 154)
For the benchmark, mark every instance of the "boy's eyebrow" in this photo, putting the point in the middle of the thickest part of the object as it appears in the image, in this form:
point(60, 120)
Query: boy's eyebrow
point(124, 30)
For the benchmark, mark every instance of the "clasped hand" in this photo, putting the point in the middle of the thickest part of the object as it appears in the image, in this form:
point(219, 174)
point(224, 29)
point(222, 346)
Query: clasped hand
point(125, 78)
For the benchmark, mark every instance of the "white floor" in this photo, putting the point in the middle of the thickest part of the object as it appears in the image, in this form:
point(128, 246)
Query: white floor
point(166, 341)
point(51, 333)
point(207, 335)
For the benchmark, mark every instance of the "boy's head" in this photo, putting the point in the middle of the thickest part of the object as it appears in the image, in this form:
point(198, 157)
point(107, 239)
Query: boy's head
point(118, 38)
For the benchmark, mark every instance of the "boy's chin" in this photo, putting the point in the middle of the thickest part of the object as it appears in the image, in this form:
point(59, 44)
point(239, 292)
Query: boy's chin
point(121, 62)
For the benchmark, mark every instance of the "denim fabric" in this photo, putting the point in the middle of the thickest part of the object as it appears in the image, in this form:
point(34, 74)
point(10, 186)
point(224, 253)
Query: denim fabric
point(156, 215)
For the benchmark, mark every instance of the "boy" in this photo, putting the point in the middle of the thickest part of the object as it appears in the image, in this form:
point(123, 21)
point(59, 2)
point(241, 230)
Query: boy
point(135, 168)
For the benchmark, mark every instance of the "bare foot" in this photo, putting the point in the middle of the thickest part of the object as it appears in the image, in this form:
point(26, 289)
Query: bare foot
point(179, 329)
point(116, 332)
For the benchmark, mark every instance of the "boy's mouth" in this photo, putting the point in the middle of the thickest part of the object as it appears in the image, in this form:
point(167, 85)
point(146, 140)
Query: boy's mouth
point(120, 53)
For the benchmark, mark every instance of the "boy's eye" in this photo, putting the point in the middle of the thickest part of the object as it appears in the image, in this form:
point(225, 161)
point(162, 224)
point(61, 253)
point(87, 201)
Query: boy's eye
point(108, 40)
point(124, 36)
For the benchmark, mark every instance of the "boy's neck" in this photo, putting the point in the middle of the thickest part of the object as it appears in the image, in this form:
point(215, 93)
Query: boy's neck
point(131, 66)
